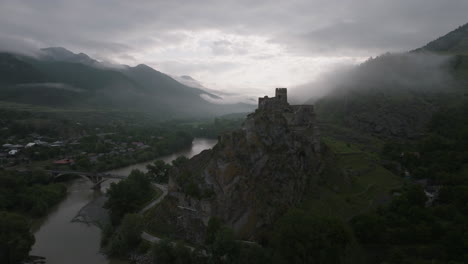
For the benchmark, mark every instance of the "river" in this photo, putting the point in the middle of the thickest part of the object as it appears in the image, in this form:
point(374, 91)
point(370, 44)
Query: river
point(62, 241)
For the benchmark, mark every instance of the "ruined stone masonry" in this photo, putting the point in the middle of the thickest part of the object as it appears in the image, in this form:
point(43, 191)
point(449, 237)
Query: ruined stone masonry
point(300, 118)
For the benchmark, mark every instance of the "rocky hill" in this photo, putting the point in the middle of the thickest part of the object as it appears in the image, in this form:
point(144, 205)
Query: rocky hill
point(251, 176)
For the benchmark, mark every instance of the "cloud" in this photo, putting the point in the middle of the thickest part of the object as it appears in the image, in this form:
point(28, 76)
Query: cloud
point(230, 99)
point(20, 45)
point(225, 47)
point(58, 86)
point(252, 41)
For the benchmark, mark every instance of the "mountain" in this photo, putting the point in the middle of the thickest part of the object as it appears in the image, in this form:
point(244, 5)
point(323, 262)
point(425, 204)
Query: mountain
point(455, 42)
point(14, 71)
point(396, 95)
point(60, 78)
point(62, 54)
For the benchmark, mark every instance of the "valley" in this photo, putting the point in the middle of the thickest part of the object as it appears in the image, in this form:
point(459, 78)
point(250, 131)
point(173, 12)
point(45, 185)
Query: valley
point(108, 163)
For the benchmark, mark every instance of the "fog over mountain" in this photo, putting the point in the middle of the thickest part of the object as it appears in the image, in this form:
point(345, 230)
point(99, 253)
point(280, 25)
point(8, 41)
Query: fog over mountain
point(57, 77)
point(394, 94)
point(222, 96)
point(389, 72)
point(234, 46)
point(431, 68)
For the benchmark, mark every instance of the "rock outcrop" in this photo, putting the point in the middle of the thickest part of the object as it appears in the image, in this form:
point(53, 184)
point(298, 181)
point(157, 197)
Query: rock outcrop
point(252, 175)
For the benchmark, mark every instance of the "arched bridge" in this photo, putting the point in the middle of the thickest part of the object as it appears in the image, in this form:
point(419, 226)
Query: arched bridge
point(95, 178)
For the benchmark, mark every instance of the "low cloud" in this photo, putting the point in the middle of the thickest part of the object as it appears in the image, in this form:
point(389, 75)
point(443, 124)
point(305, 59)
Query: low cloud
point(423, 72)
point(20, 45)
point(59, 86)
point(230, 99)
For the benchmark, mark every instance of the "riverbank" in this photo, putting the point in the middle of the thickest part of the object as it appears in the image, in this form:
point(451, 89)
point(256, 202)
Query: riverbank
point(94, 213)
point(70, 233)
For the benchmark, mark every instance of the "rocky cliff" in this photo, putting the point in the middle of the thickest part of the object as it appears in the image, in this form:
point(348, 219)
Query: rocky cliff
point(249, 178)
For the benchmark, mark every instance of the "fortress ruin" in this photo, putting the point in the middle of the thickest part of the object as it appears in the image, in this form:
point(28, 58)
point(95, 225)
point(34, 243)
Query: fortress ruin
point(300, 118)
point(297, 115)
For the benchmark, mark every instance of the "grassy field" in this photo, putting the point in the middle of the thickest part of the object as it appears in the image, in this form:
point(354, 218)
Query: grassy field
point(353, 182)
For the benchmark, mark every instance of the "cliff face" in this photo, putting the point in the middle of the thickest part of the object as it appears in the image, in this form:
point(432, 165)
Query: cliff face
point(249, 178)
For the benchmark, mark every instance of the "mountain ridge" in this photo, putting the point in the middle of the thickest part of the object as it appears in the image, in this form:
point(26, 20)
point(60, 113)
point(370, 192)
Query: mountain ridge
point(395, 95)
point(139, 88)
point(454, 42)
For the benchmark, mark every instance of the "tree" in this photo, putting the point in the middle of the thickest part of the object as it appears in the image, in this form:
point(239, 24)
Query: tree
point(128, 235)
point(214, 225)
point(128, 195)
point(159, 171)
point(302, 238)
point(224, 245)
point(163, 252)
point(16, 238)
point(84, 163)
point(179, 161)
point(368, 228)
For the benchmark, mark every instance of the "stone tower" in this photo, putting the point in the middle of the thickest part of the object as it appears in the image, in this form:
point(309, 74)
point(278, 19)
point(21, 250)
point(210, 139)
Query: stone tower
point(282, 95)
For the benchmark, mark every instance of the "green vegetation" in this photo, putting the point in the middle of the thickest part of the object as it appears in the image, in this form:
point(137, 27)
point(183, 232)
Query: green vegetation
point(159, 171)
point(16, 239)
point(31, 194)
point(296, 238)
point(299, 237)
point(23, 197)
point(93, 146)
point(127, 237)
point(341, 147)
point(128, 195)
point(413, 228)
point(353, 182)
point(223, 249)
point(160, 220)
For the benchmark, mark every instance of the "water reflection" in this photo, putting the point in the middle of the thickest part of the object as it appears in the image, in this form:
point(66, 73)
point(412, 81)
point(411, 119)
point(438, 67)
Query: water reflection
point(198, 145)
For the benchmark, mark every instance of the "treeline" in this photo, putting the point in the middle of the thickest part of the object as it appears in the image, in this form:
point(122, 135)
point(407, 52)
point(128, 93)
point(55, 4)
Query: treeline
point(167, 143)
point(23, 197)
point(31, 194)
point(297, 237)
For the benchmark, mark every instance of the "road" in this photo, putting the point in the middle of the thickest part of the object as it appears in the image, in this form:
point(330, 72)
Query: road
point(164, 189)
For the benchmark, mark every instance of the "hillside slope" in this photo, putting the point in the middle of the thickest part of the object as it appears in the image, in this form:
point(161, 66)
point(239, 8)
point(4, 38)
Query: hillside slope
point(455, 42)
point(395, 95)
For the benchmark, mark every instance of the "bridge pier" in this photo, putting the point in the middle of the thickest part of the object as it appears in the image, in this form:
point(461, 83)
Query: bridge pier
point(97, 180)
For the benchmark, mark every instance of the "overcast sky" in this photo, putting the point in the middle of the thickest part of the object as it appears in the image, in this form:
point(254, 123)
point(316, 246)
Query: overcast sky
point(248, 46)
